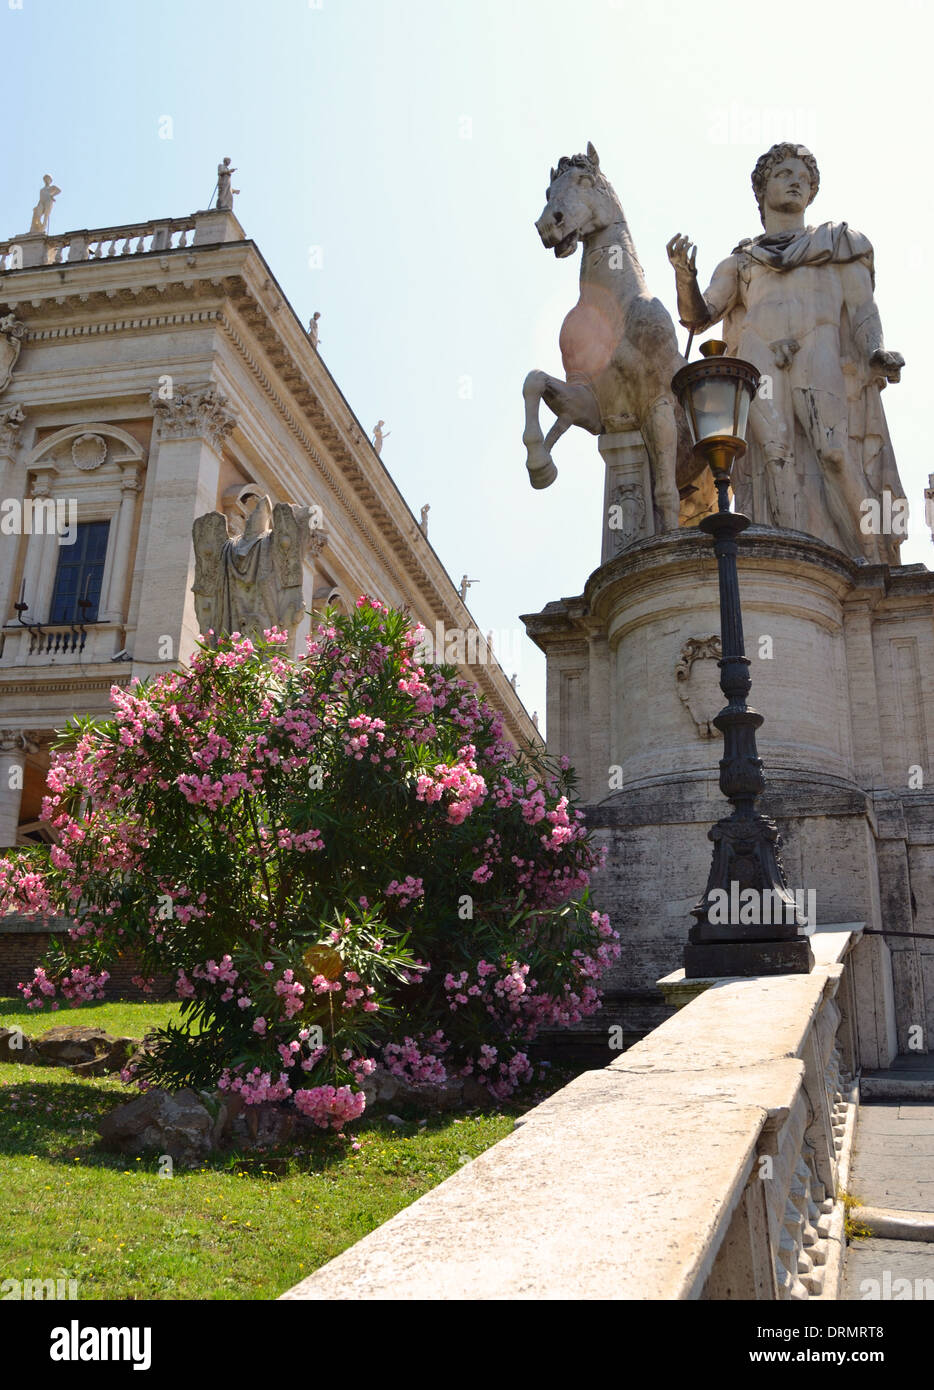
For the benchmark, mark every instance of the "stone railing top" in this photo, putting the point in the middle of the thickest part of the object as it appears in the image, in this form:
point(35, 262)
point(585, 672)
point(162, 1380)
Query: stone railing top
point(623, 1184)
point(132, 239)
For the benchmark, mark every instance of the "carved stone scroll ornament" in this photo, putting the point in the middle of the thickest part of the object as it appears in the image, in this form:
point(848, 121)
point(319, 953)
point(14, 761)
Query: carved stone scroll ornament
point(12, 333)
point(698, 684)
point(251, 582)
point(12, 420)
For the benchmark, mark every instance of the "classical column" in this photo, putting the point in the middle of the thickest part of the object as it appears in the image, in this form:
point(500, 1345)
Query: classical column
point(15, 746)
point(182, 483)
point(41, 561)
point(11, 421)
point(113, 609)
point(628, 514)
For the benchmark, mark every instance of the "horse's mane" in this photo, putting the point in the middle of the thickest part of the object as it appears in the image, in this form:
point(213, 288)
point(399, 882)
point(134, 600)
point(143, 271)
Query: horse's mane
point(579, 161)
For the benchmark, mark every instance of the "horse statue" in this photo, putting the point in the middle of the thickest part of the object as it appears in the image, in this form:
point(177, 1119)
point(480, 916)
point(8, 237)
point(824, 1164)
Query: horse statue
point(618, 345)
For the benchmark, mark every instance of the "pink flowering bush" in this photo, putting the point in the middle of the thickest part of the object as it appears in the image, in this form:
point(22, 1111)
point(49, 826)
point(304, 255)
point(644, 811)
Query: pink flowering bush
point(339, 861)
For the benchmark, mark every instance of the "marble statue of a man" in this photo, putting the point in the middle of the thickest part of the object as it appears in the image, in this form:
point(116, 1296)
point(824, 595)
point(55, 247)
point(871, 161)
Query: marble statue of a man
point(225, 194)
point(254, 581)
point(379, 434)
point(43, 209)
point(798, 303)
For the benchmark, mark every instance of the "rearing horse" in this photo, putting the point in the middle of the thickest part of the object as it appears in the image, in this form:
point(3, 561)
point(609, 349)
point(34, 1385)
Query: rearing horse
point(618, 343)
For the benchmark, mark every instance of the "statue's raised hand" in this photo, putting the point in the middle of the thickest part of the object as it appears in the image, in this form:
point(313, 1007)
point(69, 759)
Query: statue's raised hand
point(683, 255)
point(889, 364)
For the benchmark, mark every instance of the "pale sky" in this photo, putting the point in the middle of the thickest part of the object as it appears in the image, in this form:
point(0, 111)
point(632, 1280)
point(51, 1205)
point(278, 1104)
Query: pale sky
point(411, 140)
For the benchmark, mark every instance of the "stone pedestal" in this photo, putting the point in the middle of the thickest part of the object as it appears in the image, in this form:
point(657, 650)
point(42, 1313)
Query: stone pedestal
point(34, 249)
point(215, 226)
point(627, 497)
point(842, 668)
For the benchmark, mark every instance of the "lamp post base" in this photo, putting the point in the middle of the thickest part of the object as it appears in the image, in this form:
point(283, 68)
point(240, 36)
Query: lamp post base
point(747, 958)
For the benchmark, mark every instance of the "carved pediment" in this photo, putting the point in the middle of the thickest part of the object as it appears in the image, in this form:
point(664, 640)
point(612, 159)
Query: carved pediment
point(85, 448)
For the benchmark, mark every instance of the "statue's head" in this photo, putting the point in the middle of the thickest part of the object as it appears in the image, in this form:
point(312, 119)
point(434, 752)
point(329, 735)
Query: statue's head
point(579, 201)
point(786, 178)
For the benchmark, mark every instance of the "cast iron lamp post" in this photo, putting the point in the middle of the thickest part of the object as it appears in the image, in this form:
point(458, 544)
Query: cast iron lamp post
point(736, 932)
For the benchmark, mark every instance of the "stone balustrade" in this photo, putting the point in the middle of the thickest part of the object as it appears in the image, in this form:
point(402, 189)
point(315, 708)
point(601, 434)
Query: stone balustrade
point(707, 1162)
point(54, 642)
point(135, 239)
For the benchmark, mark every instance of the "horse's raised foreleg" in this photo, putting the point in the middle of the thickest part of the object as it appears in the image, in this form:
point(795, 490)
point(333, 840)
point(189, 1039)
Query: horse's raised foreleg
point(573, 403)
point(538, 461)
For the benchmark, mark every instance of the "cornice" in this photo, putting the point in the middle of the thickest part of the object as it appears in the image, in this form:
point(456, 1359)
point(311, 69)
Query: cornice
point(235, 275)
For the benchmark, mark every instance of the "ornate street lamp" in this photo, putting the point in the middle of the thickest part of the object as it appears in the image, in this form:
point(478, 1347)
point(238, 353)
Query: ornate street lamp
point(736, 931)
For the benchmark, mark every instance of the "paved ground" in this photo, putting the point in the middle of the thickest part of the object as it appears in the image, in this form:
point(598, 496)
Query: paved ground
point(892, 1167)
point(874, 1267)
point(893, 1156)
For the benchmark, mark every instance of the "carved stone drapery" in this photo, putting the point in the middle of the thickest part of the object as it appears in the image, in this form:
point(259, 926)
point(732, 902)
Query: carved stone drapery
point(254, 581)
point(193, 411)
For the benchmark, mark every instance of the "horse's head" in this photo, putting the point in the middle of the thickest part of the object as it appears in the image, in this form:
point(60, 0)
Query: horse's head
point(579, 202)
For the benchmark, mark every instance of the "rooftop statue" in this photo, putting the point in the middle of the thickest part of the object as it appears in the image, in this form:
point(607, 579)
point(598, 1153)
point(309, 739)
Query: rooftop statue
point(379, 434)
point(618, 343)
point(225, 194)
point(798, 303)
point(43, 209)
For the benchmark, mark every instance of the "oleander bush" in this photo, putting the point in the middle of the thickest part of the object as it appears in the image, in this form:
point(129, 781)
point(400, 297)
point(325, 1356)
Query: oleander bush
point(339, 860)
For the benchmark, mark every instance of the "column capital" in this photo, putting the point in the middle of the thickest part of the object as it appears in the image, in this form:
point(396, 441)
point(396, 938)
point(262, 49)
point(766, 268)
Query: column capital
point(130, 481)
point(192, 412)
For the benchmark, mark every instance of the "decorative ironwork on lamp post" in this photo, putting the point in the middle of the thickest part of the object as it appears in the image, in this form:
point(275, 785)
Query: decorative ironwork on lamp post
point(716, 394)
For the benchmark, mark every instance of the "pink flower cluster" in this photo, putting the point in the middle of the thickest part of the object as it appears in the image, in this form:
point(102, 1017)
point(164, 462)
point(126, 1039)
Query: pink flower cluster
point(408, 1060)
point(81, 985)
point(368, 738)
point(330, 1107)
point(407, 891)
point(37, 990)
point(291, 992)
point(256, 1086)
point(465, 785)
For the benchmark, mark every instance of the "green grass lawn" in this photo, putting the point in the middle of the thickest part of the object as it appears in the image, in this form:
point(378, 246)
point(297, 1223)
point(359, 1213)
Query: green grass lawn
point(234, 1228)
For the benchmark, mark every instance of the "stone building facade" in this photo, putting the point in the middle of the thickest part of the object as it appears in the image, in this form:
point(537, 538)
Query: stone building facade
point(150, 374)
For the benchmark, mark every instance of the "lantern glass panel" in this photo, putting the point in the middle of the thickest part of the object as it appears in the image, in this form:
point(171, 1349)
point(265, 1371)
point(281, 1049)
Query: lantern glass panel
point(714, 405)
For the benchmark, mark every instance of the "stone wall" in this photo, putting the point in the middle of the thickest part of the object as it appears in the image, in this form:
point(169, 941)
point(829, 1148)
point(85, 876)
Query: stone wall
point(842, 666)
point(24, 942)
point(704, 1163)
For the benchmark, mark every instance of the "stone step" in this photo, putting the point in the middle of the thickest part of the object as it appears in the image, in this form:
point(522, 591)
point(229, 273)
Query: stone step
point(902, 1087)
